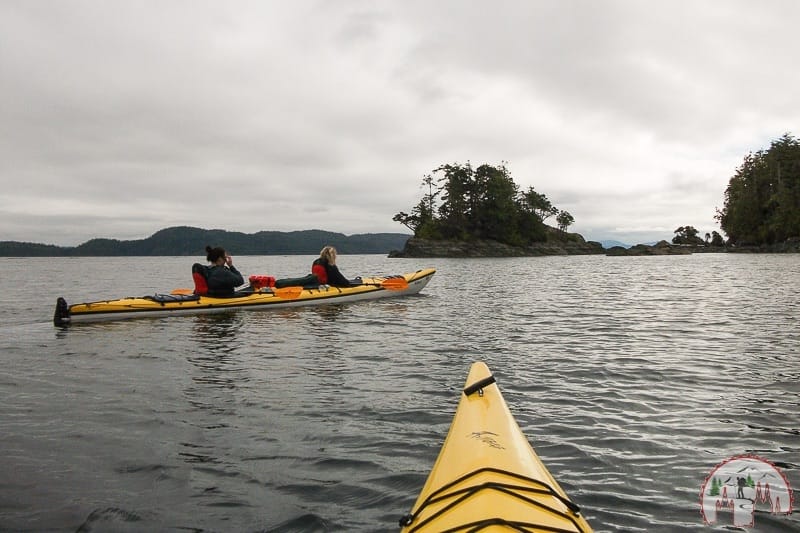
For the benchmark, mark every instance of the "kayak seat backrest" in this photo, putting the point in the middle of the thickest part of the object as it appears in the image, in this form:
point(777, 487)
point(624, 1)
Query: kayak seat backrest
point(200, 280)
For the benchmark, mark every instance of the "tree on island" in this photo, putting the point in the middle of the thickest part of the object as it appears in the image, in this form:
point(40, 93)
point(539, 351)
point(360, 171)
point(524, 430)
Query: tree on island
point(564, 220)
point(762, 200)
point(690, 235)
point(463, 203)
point(687, 235)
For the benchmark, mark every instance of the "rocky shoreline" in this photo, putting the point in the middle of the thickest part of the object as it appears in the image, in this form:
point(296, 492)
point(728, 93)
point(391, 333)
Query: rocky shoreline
point(576, 245)
point(660, 248)
point(666, 248)
point(420, 248)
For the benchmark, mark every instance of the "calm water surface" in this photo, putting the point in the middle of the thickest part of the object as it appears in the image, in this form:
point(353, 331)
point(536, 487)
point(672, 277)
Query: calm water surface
point(633, 377)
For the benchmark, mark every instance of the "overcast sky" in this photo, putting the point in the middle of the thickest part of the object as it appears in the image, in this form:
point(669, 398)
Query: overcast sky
point(120, 118)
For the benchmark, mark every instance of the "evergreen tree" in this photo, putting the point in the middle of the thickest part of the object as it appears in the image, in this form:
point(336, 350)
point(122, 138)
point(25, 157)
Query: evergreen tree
point(714, 487)
point(454, 212)
point(762, 200)
point(564, 220)
point(539, 204)
point(687, 235)
point(494, 211)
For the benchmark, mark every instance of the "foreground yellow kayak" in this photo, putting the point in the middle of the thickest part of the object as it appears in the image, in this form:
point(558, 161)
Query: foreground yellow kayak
point(487, 476)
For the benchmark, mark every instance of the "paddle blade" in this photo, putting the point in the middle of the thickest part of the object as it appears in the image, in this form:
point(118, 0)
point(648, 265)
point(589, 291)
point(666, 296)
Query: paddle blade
point(288, 293)
point(182, 291)
point(395, 284)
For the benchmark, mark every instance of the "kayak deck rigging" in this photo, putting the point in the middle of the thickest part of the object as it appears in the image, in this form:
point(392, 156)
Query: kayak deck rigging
point(513, 490)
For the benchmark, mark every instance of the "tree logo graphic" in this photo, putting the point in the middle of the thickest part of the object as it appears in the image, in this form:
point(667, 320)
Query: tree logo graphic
point(741, 485)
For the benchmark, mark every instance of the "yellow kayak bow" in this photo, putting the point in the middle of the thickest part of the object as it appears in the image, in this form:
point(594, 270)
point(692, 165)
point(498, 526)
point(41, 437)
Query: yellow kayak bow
point(487, 476)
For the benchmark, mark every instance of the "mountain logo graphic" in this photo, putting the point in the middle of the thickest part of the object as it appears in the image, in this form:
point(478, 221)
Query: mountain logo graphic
point(741, 485)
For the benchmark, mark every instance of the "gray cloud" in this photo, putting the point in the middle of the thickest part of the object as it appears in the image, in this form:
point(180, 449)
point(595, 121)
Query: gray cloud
point(119, 119)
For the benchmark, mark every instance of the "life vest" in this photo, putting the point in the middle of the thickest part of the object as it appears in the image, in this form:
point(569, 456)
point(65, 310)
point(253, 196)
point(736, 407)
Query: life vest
point(199, 277)
point(319, 270)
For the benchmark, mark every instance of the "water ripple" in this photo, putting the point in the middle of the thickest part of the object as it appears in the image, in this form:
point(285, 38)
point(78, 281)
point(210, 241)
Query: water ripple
point(632, 377)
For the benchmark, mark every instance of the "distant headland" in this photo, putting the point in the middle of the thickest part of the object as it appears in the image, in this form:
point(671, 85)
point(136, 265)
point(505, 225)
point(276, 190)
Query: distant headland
point(191, 241)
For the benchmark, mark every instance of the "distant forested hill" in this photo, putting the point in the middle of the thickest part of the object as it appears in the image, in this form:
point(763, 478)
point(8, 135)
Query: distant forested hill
point(185, 240)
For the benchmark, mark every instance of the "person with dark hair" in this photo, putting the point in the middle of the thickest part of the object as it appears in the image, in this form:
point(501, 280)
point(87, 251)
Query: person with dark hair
point(222, 277)
point(324, 267)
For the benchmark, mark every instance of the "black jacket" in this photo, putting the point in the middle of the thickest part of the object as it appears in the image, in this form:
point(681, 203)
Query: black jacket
point(223, 280)
point(332, 275)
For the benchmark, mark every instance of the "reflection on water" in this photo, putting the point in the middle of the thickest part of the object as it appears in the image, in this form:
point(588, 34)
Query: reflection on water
point(212, 327)
point(328, 312)
point(216, 348)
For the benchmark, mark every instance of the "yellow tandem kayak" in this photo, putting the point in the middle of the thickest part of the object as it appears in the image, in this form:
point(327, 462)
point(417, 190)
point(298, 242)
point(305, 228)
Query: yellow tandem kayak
point(174, 304)
point(487, 476)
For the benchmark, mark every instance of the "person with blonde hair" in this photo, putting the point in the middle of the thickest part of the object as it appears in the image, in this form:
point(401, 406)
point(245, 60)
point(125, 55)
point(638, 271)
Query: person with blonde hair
point(324, 267)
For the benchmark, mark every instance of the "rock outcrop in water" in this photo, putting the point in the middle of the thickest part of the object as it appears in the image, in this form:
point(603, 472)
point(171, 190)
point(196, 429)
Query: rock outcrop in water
point(666, 248)
point(660, 248)
point(416, 247)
